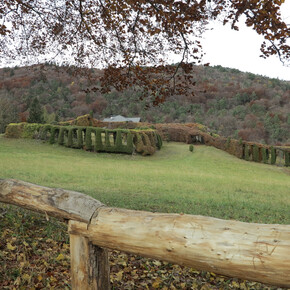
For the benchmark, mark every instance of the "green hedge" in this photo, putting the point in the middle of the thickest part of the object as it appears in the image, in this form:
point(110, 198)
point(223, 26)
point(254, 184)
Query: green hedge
point(264, 155)
point(256, 153)
point(144, 141)
point(287, 158)
point(273, 155)
point(247, 152)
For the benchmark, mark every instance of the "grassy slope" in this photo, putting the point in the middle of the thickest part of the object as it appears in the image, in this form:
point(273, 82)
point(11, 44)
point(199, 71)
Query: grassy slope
point(208, 182)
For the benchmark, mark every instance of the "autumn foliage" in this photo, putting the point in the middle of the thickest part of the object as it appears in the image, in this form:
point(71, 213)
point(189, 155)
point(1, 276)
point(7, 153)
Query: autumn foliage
point(132, 40)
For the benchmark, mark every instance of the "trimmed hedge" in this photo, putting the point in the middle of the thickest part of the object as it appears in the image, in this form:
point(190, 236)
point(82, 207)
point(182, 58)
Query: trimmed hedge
point(287, 158)
point(145, 141)
point(247, 153)
point(264, 155)
point(273, 155)
point(255, 153)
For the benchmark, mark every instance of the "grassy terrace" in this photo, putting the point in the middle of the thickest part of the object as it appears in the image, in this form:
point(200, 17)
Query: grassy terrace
point(207, 182)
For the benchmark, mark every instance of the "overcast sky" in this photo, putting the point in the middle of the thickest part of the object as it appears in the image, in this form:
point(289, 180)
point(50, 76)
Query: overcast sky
point(241, 49)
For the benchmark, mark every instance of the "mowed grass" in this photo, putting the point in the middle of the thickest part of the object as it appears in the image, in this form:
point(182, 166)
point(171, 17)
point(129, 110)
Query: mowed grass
point(206, 182)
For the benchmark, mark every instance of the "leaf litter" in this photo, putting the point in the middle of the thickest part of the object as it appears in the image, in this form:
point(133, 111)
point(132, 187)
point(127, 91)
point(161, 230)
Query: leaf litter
point(34, 254)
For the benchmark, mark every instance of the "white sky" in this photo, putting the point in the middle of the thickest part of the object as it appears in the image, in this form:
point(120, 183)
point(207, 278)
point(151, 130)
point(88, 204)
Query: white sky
point(241, 49)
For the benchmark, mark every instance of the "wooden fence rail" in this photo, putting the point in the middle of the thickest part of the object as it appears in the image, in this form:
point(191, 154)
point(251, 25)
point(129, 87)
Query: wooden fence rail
point(259, 252)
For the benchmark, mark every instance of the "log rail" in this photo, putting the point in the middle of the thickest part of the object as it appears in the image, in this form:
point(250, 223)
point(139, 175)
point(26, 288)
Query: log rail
point(259, 252)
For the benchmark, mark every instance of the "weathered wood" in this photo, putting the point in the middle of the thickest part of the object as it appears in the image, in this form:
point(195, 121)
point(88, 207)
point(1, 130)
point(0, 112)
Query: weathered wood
point(60, 203)
point(89, 265)
point(256, 252)
point(250, 251)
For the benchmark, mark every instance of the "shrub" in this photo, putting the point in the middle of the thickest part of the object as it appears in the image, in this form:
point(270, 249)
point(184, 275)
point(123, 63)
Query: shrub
point(118, 143)
point(70, 138)
point(98, 140)
point(264, 155)
point(80, 137)
point(247, 152)
point(60, 139)
point(54, 132)
point(107, 141)
point(228, 142)
point(14, 130)
point(273, 155)
point(159, 141)
point(30, 130)
point(88, 138)
point(287, 158)
point(43, 131)
point(191, 148)
point(255, 153)
point(130, 146)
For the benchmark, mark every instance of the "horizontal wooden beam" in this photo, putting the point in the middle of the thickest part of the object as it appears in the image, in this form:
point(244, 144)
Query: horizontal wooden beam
point(60, 203)
point(258, 252)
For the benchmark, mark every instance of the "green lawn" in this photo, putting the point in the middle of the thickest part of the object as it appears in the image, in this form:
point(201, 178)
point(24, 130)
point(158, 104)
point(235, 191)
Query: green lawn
point(207, 182)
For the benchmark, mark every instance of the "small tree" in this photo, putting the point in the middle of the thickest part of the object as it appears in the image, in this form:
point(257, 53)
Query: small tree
point(35, 112)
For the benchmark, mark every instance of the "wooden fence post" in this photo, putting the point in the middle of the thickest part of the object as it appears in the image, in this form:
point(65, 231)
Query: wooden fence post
point(89, 265)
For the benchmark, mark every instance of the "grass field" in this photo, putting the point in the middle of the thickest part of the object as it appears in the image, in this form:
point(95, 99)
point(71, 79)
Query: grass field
point(208, 181)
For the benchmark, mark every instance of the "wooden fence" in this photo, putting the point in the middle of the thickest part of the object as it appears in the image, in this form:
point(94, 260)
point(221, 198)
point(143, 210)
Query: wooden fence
point(259, 252)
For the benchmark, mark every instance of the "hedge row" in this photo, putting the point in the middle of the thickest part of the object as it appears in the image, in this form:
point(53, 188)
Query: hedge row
point(95, 139)
point(266, 155)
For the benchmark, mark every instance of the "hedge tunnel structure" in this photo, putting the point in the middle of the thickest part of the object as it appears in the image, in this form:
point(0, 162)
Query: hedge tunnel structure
point(144, 141)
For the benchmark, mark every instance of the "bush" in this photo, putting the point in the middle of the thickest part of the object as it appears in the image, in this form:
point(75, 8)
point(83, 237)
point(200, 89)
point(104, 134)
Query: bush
point(60, 139)
point(88, 139)
point(130, 146)
point(191, 148)
point(273, 155)
point(80, 137)
point(247, 152)
point(43, 131)
point(98, 140)
point(287, 158)
point(255, 153)
point(118, 143)
point(31, 130)
point(264, 155)
point(54, 132)
point(70, 138)
point(228, 142)
point(159, 141)
point(14, 130)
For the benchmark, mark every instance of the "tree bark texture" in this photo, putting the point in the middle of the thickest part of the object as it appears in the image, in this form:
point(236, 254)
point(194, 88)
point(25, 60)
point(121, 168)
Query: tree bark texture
point(251, 251)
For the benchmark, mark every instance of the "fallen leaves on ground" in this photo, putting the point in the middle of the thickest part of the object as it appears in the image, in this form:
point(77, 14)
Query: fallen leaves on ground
point(34, 254)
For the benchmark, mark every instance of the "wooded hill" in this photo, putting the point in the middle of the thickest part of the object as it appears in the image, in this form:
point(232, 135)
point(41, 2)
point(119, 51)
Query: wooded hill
point(230, 102)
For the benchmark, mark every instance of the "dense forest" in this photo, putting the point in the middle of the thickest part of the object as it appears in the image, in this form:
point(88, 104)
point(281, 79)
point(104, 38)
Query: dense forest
point(228, 101)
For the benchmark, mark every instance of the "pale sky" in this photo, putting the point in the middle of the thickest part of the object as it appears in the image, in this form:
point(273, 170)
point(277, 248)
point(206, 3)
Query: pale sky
point(241, 49)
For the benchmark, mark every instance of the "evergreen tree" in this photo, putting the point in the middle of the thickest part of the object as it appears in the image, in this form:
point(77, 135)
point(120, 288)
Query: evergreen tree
point(35, 112)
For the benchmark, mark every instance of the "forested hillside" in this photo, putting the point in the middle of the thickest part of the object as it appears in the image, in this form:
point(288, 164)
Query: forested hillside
point(229, 102)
